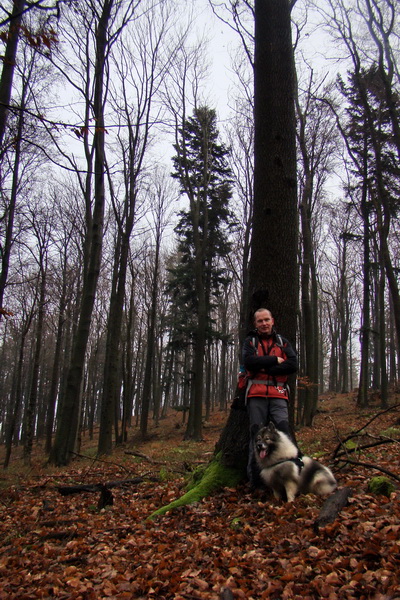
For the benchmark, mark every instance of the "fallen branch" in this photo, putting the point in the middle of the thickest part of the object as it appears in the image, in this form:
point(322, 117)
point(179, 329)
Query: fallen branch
point(332, 507)
point(368, 466)
point(365, 447)
point(97, 459)
point(355, 433)
point(141, 455)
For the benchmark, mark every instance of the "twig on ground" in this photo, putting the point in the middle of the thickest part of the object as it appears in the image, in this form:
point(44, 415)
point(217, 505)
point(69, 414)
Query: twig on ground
point(369, 466)
point(355, 433)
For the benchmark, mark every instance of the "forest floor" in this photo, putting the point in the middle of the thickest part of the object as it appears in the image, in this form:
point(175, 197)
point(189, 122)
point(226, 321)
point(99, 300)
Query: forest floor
point(234, 544)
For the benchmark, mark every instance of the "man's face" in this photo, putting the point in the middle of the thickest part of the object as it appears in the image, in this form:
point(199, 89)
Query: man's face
point(264, 322)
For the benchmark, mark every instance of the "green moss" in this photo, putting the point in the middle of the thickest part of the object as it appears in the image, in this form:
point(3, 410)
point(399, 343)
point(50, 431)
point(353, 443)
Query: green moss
point(215, 477)
point(165, 475)
point(236, 524)
point(351, 445)
point(381, 485)
point(391, 432)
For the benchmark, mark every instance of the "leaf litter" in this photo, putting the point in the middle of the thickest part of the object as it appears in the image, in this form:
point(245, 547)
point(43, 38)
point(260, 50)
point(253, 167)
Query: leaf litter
point(245, 542)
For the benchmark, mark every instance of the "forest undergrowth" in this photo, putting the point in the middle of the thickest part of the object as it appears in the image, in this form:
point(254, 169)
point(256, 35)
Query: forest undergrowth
point(234, 544)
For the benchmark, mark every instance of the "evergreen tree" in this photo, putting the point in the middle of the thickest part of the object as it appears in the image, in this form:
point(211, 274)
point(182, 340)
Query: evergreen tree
point(200, 165)
point(376, 184)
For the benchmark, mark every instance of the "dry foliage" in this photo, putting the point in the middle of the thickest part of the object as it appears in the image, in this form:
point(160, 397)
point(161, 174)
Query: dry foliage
point(235, 544)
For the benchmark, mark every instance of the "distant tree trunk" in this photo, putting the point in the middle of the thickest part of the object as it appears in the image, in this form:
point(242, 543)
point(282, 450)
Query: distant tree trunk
point(112, 368)
point(362, 397)
point(382, 341)
point(12, 422)
point(149, 369)
point(30, 413)
point(308, 282)
point(56, 368)
point(128, 370)
point(343, 317)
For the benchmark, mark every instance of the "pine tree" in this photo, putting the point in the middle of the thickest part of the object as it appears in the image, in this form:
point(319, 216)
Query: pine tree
point(370, 141)
point(201, 167)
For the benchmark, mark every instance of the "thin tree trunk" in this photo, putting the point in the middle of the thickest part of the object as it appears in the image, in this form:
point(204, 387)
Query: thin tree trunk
point(150, 350)
point(362, 397)
point(31, 407)
point(12, 424)
point(55, 375)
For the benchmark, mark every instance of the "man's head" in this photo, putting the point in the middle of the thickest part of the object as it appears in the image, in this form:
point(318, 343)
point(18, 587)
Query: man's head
point(264, 322)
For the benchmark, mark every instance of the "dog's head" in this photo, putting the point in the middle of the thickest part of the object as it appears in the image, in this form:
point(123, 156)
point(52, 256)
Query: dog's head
point(265, 440)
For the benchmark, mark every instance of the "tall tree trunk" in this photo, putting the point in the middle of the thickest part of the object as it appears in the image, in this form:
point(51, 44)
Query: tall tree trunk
point(362, 397)
point(30, 412)
point(273, 272)
point(9, 233)
point(11, 424)
point(67, 429)
point(56, 368)
point(273, 263)
point(382, 341)
point(112, 366)
point(149, 370)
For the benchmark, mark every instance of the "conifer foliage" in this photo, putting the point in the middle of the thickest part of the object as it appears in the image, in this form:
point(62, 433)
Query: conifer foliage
point(205, 178)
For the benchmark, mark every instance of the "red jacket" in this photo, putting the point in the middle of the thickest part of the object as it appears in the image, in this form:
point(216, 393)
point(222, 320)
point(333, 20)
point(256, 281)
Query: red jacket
point(260, 360)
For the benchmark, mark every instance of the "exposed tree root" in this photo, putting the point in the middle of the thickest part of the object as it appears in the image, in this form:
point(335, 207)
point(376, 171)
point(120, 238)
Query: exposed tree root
point(215, 477)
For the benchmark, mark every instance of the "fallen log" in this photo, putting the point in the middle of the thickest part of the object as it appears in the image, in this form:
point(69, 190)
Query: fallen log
point(67, 490)
point(332, 507)
point(106, 497)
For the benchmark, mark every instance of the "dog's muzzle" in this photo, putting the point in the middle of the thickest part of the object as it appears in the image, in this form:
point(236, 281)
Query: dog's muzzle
point(262, 450)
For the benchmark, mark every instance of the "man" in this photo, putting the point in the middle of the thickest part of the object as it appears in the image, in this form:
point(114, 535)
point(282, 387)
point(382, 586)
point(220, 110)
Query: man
point(268, 359)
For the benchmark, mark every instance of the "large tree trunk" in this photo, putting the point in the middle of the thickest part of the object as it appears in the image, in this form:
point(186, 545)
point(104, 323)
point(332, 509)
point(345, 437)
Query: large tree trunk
point(273, 265)
point(273, 272)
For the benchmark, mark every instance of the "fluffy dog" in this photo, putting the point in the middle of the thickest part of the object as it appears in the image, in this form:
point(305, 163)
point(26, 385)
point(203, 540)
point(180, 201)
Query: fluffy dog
point(284, 471)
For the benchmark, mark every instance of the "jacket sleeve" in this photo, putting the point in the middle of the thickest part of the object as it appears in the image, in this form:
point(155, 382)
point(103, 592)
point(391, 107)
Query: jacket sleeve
point(269, 363)
point(289, 365)
point(255, 363)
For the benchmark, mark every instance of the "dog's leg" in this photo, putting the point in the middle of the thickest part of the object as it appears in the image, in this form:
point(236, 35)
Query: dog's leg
point(291, 490)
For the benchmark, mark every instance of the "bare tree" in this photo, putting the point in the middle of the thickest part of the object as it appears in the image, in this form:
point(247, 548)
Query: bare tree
point(142, 67)
point(102, 16)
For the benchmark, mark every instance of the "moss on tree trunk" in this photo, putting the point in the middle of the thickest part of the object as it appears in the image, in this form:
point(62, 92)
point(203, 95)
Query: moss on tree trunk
point(227, 467)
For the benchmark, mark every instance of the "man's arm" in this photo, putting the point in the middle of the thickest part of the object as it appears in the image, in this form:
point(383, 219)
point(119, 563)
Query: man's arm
point(255, 363)
point(289, 365)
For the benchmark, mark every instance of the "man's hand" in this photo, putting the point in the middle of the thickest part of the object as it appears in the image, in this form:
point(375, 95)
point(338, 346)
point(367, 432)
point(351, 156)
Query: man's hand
point(280, 359)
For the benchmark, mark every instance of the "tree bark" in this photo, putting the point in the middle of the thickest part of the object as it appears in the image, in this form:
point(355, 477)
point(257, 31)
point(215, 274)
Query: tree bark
point(273, 272)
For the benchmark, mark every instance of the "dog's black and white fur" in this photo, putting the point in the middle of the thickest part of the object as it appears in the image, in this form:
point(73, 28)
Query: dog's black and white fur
point(284, 472)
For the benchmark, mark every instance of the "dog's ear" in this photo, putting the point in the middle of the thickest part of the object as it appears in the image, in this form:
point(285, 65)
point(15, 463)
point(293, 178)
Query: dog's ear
point(271, 427)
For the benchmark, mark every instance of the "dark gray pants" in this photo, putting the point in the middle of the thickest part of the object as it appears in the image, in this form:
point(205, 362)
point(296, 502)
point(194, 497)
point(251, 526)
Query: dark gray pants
point(261, 411)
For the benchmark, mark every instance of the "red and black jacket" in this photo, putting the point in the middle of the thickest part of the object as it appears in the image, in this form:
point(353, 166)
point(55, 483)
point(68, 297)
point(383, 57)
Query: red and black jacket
point(260, 360)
